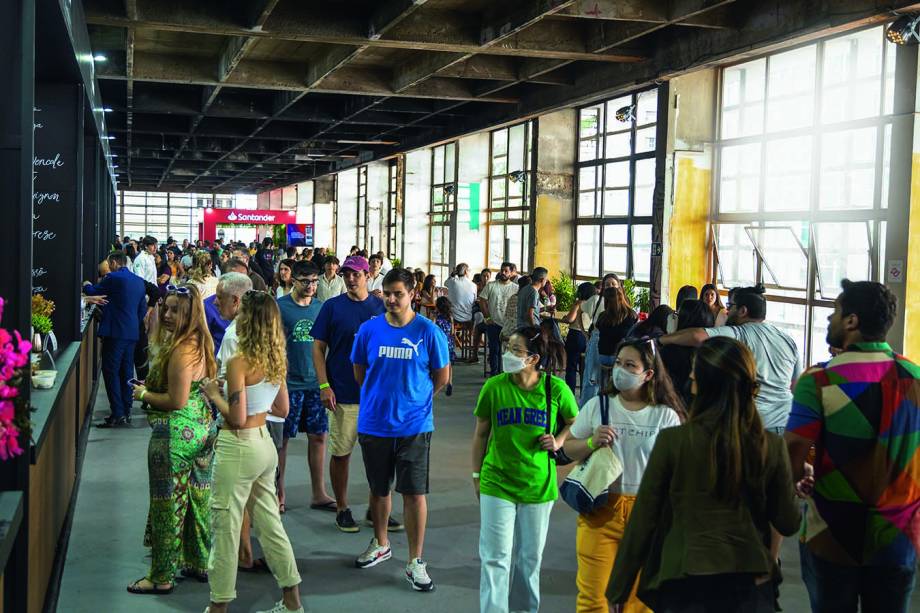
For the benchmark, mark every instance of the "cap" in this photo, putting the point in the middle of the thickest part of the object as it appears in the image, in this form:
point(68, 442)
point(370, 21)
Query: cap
point(355, 262)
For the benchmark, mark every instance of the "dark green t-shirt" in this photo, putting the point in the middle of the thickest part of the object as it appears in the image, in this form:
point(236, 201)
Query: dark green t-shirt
point(515, 467)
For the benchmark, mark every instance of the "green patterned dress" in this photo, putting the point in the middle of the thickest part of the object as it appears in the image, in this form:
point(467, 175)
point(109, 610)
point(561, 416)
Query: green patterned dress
point(179, 462)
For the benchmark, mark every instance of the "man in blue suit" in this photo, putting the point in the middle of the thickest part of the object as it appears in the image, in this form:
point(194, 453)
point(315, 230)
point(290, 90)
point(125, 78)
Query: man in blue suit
point(120, 329)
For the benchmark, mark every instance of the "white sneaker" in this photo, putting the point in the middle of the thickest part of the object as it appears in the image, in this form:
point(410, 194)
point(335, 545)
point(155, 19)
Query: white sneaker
point(373, 555)
point(417, 576)
point(280, 608)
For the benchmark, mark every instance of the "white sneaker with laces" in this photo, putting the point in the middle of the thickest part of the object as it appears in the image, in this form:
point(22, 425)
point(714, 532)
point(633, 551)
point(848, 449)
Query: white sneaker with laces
point(417, 576)
point(280, 608)
point(373, 555)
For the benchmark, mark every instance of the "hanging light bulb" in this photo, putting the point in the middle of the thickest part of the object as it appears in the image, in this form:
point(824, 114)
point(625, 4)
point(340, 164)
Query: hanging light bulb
point(904, 31)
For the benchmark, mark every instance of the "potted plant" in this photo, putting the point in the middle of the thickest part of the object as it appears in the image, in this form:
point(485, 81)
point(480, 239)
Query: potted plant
point(638, 297)
point(42, 308)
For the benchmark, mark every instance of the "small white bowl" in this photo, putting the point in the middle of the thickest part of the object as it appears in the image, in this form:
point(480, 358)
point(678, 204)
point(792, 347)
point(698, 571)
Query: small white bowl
point(44, 379)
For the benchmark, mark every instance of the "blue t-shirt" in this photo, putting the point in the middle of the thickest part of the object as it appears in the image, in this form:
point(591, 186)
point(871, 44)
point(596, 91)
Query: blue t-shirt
point(397, 392)
point(217, 325)
point(298, 324)
point(336, 325)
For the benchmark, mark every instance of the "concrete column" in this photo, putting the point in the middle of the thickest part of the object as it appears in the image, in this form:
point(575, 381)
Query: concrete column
point(553, 230)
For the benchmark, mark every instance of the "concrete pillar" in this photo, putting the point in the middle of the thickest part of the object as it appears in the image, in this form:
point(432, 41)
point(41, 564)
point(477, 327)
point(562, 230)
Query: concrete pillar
point(553, 230)
point(688, 182)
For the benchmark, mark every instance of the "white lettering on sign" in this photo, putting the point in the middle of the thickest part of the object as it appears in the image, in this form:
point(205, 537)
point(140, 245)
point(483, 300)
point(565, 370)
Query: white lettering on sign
point(251, 217)
point(42, 197)
point(44, 235)
point(39, 289)
point(55, 162)
point(38, 272)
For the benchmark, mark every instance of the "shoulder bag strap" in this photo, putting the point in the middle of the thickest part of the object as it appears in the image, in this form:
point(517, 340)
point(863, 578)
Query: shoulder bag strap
point(605, 409)
point(548, 385)
point(593, 313)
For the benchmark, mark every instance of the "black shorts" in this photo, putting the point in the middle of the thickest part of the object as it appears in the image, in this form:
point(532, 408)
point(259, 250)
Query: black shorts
point(406, 457)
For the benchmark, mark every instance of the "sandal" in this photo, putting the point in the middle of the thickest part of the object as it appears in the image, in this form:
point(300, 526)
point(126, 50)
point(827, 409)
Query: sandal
point(258, 566)
point(135, 588)
point(281, 508)
point(325, 506)
point(188, 573)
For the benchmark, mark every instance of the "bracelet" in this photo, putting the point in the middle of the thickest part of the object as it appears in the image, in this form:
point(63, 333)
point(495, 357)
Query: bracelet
point(323, 386)
point(475, 475)
point(141, 397)
point(590, 442)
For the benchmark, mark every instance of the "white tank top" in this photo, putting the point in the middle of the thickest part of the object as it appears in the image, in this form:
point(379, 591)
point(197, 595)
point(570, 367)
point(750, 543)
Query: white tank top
point(259, 397)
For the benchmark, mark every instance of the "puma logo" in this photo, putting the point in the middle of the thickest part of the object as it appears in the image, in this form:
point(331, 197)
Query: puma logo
point(414, 346)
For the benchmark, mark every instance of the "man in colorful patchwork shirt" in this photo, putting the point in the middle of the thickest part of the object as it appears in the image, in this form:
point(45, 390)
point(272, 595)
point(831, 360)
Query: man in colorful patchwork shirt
point(861, 411)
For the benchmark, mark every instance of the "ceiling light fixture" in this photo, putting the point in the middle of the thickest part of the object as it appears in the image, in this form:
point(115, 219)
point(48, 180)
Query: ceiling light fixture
point(99, 58)
point(904, 31)
point(108, 138)
point(367, 142)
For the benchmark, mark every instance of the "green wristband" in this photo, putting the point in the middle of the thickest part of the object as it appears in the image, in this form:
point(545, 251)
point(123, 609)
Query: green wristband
point(323, 386)
point(141, 397)
point(590, 442)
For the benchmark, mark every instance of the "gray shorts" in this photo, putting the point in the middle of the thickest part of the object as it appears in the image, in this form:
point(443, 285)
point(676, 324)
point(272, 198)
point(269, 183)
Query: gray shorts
point(276, 431)
point(405, 458)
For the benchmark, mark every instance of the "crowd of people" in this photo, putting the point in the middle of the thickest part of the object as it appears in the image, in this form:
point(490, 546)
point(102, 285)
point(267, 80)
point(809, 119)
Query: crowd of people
point(725, 443)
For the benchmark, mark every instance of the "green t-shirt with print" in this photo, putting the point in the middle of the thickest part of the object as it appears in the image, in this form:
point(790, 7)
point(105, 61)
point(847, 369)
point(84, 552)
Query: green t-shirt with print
point(515, 467)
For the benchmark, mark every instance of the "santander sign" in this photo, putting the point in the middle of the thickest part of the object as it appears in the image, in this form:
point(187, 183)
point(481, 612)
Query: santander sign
point(243, 216)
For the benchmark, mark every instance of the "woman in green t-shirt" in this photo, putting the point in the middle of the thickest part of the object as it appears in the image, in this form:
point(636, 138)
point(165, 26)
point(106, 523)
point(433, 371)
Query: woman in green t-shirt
point(514, 473)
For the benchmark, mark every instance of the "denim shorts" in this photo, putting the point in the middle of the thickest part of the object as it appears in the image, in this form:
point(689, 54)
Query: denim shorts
point(306, 414)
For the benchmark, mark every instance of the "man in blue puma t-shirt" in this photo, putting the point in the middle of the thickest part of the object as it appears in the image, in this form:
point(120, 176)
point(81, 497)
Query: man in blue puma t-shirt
point(401, 361)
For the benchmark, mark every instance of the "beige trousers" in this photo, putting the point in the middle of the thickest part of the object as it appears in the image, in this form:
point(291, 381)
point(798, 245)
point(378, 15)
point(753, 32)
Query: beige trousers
point(244, 478)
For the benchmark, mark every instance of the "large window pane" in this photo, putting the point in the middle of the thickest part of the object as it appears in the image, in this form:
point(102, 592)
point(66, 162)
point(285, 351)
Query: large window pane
point(642, 252)
point(736, 256)
point(790, 102)
point(790, 318)
point(645, 188)
point(785, 259)
point(843, 252)
point(587, 251)
point(615, 249)
point(852, 76)
point(739, 189)
point(848, 169)
point(788, 181)
point(743, 99)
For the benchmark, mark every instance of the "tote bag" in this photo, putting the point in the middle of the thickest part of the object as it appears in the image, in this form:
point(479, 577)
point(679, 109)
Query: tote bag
point(585, 489)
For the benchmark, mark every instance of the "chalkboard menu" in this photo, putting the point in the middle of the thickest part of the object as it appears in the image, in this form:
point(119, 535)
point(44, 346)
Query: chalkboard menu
point(56, 204)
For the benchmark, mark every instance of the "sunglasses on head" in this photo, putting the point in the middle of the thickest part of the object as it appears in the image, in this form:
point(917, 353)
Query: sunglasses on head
point(255, 293)
point(175, 289)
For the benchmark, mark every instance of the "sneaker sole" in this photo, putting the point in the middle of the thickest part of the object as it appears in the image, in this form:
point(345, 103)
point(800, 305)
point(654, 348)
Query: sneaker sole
point(375, 561)
point(349, 529)
point(420, 588)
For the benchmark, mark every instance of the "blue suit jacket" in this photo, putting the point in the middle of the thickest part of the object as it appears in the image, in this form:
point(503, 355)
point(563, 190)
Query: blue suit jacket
point(127, 304)
point(217, 325)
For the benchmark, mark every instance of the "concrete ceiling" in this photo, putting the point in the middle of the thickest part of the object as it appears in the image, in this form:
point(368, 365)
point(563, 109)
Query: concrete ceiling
point(246, 95)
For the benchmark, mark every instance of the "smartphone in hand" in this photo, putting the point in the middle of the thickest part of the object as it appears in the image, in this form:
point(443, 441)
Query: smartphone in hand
point(135, 382)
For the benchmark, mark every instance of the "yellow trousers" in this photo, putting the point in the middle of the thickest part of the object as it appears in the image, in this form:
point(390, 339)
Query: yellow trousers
point(244, 478)
point(597, 540)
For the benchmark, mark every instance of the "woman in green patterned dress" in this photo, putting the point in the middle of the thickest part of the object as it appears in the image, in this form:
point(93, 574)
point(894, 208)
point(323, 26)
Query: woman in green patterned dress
point(181, 444)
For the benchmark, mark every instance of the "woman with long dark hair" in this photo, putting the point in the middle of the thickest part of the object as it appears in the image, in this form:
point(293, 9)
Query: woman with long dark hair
point(514, 475)
point(700, 530)
point(612, 326)
point(678, 359)
point(283, 283)
point(710, 296)
point(181, 442)
point(594, 307)
point(642, 402)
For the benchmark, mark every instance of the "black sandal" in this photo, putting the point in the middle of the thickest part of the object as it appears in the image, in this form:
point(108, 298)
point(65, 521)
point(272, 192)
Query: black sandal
point(194, 574)
point(134, 588)
point(258, 566)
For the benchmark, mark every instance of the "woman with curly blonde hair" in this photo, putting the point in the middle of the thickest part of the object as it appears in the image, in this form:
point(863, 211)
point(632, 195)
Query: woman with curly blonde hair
point(201, 275)
point(245, 455)
point(181, 443)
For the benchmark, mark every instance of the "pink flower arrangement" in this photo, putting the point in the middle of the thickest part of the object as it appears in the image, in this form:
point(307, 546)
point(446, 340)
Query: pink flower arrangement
point(14, 355)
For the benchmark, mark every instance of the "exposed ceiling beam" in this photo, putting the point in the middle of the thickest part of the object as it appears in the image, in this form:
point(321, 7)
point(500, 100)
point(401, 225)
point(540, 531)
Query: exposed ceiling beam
point(389, 14)
point(301, 23)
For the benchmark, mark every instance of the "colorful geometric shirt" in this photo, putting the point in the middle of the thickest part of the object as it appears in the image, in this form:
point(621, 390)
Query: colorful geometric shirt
point(862, 412)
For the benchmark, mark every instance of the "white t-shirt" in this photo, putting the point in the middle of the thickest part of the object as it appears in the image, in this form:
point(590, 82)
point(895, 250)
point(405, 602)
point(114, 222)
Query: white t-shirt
point(636, 432)
point(496, 295)
point(375, 283)
point(778, 365)
point(462, 295)
point(228, 347)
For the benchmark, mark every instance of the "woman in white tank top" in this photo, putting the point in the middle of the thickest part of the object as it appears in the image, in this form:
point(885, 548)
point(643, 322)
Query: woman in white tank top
point(245, 458)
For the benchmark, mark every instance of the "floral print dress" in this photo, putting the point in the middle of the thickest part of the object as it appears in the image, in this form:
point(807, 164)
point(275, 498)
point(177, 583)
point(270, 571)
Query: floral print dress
point(179, 462)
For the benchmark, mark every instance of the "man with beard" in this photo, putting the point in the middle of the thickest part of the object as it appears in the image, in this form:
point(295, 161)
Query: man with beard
point(861, 413)
point(777, 356)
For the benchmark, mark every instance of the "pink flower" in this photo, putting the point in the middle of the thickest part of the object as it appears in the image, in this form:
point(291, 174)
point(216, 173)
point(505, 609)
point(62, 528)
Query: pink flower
point(7, 411)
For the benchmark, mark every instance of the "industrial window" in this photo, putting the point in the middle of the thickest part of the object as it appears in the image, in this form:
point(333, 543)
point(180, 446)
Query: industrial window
point(443, 207)
point(361, 216)
point(615, 186)
point(511, 179)
point(802, 190)
point(158, 214)
point(346, 203)
point(394, 210)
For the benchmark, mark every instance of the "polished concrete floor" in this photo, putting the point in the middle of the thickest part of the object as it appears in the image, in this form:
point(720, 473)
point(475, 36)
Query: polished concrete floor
point(106, 551)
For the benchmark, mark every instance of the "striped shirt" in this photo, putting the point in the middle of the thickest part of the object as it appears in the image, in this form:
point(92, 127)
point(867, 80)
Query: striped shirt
point(862, 412)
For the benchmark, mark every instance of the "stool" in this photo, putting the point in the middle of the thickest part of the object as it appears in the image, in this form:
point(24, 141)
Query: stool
point(464, 332)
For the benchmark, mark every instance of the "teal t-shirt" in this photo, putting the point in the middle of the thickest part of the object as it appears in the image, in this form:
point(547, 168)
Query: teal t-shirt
point(515, 467)
point(298, 326)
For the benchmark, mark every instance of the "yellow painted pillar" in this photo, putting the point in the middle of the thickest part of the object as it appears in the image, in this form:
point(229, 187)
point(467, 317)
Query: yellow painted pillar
point(912, 290)
point(551, 253)
point(688, 231)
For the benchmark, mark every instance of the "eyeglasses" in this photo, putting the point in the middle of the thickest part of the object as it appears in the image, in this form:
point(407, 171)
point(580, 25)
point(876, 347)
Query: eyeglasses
point(307, 281)
point(174, 289)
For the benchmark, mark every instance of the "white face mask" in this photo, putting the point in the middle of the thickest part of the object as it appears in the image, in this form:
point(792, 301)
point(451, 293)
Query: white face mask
point(625, 380)
point(512, 363)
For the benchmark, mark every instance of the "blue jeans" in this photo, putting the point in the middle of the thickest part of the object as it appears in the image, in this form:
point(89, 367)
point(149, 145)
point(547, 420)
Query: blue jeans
point(117, 369)
point(589, 378)
point(842, 589)
point(575, 344)
point(494, 337)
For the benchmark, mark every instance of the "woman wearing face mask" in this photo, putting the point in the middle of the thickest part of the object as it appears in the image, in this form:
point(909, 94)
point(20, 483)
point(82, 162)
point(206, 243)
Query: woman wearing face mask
point(642, 402)
point(594, 307)
point(514, 475)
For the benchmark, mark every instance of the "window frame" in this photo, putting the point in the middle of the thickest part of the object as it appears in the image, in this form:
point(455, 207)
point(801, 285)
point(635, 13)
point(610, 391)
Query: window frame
point(498, 217)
